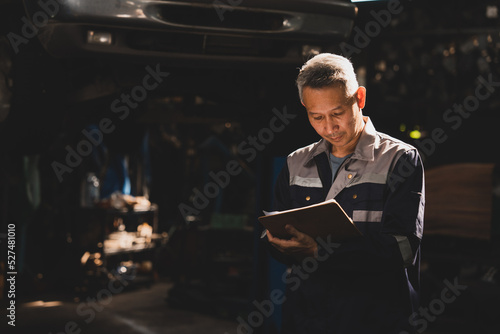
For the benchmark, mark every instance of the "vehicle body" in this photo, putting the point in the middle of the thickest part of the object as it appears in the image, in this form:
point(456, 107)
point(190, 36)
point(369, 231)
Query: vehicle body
point(238, 30)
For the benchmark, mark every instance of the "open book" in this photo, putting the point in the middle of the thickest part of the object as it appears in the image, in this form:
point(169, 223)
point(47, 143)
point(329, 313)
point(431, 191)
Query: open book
point(318, 220)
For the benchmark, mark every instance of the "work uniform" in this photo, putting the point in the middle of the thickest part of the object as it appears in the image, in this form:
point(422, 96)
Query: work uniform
point(370, 284)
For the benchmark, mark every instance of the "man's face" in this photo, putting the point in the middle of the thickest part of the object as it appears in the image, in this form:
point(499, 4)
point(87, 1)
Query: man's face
point(335, 117)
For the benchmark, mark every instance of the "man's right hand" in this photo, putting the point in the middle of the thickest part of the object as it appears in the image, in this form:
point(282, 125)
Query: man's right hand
point(299, 246)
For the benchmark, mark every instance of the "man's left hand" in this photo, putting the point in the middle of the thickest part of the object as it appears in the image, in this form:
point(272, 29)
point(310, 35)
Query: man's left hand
point(299, 246)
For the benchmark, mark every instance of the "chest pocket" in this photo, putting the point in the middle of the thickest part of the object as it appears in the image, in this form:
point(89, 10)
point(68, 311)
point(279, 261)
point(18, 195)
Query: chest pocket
point(304, 196)
point(367, 203)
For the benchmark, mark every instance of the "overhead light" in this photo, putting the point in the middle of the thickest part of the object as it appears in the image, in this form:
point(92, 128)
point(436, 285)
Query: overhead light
point(492, 12)
point(99, 37)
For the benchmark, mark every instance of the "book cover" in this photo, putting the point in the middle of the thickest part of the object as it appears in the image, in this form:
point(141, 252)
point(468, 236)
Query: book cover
point(318, 220)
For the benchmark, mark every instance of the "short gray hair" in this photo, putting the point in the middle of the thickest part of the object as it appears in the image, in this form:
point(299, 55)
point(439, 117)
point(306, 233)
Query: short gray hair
point(325, 70)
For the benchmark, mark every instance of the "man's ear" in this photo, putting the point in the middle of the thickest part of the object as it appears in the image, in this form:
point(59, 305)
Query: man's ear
point(360, 96)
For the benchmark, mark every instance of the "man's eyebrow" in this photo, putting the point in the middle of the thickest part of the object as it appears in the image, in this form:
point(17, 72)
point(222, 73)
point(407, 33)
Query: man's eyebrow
point(313, 113)
point(333, 109)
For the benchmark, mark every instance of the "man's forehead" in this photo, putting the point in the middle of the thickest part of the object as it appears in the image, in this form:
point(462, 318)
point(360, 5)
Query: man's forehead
point(327, 95)
point(339, 86)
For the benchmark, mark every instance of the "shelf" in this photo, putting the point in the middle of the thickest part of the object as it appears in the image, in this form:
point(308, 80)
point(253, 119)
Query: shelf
point(155, 240)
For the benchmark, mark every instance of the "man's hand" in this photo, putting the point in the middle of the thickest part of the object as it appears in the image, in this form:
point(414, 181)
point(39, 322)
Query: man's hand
point(299, 246)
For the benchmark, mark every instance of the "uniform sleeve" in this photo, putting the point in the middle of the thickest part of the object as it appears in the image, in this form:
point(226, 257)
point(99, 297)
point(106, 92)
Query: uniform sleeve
point(397, 243)
point(282, 202)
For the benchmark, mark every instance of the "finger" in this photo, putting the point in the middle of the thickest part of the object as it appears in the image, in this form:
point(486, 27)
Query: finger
point(284, 249)
point(294, 232)
point(275, 240)
point(288, 246)
point(281, 249)
point(278, 244)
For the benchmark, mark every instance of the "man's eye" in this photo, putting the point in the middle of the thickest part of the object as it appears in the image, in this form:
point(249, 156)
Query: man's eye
point(317, 118)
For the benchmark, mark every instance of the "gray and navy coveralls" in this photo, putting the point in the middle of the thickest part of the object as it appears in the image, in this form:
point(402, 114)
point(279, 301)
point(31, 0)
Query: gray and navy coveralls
point(371, 284)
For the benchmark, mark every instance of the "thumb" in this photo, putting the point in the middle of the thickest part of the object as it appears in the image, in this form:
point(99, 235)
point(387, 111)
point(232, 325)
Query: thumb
point(293, 231)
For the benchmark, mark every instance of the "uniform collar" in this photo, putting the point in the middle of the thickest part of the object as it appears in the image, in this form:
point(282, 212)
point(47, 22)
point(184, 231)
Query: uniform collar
point(364, 150)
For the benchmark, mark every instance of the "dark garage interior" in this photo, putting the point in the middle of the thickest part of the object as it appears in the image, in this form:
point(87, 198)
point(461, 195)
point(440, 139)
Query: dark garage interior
point(140, 141)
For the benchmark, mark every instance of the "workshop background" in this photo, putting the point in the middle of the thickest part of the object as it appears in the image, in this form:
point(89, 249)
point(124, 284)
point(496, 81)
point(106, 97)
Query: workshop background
point(139, 142)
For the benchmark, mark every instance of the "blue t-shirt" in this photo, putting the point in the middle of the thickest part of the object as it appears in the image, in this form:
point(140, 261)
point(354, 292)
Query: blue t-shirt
point(335, 163)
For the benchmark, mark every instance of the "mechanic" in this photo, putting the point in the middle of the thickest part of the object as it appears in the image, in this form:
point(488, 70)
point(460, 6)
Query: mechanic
point(369, 284)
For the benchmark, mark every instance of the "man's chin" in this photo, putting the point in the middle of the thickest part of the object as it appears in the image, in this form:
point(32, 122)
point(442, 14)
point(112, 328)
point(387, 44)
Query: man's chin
point(336, 141)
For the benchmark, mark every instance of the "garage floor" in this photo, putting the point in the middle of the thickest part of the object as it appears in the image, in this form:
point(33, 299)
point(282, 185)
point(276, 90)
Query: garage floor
point(141, 311)
point(144, 310)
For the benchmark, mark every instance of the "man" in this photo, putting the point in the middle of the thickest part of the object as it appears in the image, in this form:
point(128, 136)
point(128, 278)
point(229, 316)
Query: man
point(370, 284)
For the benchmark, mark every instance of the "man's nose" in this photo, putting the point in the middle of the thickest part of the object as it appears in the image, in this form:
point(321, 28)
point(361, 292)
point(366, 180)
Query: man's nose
point(331, 126)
